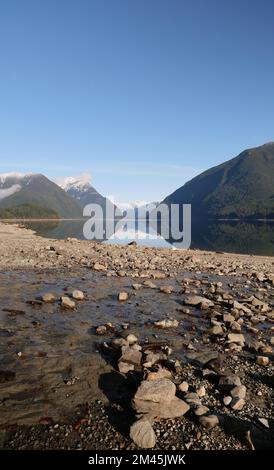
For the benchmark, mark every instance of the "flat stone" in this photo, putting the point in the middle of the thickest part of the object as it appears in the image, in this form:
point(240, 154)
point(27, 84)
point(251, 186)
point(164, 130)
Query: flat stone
point(142, 434)
point(78, 295)
point(68, 303)
point(236, 338)
point(165, 410)
point(209, 421)
point(166, 323)
point(197, 300)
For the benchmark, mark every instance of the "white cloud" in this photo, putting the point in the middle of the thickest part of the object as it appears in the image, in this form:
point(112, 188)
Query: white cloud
point(4, 193)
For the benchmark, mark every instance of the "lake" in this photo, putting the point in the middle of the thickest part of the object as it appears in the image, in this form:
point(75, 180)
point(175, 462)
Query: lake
point(254, 237)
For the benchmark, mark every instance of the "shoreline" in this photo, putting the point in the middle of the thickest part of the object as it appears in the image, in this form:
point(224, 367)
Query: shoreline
point(62, 384)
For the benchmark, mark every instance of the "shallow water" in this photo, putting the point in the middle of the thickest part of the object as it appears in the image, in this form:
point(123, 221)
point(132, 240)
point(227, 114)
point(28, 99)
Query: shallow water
point(56, 345)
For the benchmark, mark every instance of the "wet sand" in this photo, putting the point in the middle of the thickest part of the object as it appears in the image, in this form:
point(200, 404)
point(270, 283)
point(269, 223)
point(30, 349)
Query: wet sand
point(59, 381)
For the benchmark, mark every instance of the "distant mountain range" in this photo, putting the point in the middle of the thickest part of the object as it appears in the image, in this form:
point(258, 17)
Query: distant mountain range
point(25, 194)
point(239, 188)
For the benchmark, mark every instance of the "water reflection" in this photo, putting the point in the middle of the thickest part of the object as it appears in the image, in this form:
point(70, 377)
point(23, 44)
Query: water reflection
point(255, 237)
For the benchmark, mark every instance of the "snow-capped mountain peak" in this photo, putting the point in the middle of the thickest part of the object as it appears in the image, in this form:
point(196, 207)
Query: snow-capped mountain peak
point(79, 183)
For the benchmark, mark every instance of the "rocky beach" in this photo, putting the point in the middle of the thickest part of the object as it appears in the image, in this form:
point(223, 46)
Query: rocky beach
point(125, 346)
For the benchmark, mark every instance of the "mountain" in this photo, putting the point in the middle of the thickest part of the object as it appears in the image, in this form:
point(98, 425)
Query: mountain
point(239, 188)
point(36, 190)
point(80, 189)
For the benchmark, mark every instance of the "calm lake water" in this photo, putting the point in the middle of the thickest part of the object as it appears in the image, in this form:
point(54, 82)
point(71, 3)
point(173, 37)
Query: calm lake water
point(255, 237)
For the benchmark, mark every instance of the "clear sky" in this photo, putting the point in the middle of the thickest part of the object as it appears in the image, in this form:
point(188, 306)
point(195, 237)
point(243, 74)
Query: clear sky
point(144, 94)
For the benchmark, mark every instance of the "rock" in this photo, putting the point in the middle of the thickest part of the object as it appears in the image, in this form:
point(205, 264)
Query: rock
point(183, 387)
point(238, 392)
point(262, 360)
point(122, 296)
point(238, 306)
point(272, 340)
point(209, 421)
point(124, 367)
point(157, 398)
point(264, 422)
point(152, 358)
point(131, 355)
point(193, 399)
point(217, 330)
point(101, 330)
point(78, 295)
point(117, 343)
point(228, 318)
point(236, 338)
point(48, 297)
point(166, 289)
point(237, 404)
point(227, 400)
point(121, 273)
point(149, 284)
point(160, 374)
point(158, 391)
point(142, 434)
point(166, 323)
point(197, 300)
point(99, 267)
point(66, 302)
point(132, 243)
point(201, 391)
point(136, 286)
point(201, 410)
point(131, 339)
point(228, 382)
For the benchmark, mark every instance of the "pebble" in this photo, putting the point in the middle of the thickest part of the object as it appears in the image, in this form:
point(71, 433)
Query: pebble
point(183, 387)
point(78, 295)
point(48, 297)
point(227, 400)
point(122, 296)
point(166, 323)
point(66, 302)
point(262, 360)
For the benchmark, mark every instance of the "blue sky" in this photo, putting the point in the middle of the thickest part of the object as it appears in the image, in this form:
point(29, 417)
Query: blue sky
point(144, 94)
